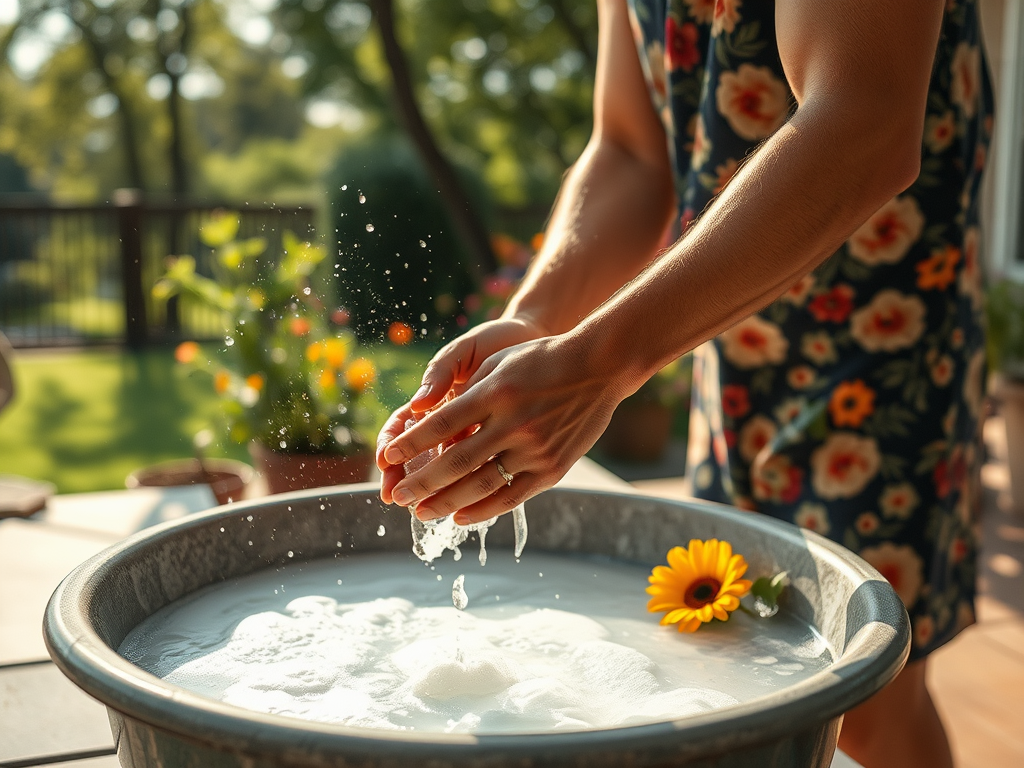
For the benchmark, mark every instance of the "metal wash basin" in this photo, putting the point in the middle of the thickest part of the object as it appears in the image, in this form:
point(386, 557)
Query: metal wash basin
point(156, 724)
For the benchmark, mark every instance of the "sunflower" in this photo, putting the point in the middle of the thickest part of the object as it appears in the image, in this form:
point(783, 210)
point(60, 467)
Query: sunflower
point(701, 583)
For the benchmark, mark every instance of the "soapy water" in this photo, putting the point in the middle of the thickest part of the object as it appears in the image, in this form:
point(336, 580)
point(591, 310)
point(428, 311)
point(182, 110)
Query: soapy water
point(382, 647)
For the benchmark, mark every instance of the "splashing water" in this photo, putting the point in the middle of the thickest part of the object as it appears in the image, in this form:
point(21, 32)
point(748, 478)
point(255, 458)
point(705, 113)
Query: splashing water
point(459, 597)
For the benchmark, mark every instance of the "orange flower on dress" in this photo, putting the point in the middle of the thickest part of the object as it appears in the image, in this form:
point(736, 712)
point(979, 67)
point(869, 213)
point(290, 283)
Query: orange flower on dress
point(299, 326)
point(851, 403)
point(399, 333)
point(255, 381)
point(221, 382)
point(938, 270)
point(186, 352)
point(699, 584)
point(360, 374)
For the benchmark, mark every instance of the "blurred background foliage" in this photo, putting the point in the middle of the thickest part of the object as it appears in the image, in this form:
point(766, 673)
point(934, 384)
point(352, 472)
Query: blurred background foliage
point(257, 100)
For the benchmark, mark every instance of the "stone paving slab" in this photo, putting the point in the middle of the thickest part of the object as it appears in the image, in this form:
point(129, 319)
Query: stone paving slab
point(44, 716)
point(122, 513)
point(34, 559)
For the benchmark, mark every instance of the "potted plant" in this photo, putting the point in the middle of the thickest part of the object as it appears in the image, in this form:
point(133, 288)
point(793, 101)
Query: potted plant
point(642, 424)
point(1004, 309)
point(292, 381)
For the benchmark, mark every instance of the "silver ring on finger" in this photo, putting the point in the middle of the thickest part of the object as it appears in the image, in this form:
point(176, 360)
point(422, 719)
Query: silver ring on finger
point(505, 474)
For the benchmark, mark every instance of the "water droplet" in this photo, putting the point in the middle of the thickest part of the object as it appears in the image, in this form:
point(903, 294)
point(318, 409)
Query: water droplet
point(283, 444)
point(249, 518)
point(380, 530)
point(343, 188)
point(307, 290)
point(339, 582)
point(422, 244)
point(558, 597)
point(228, 341)
point(338, 543)
point(222, 530)
point(250, 543)
point(362, 198)
point(459, 598)
point(369, 227)
point(423, 317)
point(439, 577)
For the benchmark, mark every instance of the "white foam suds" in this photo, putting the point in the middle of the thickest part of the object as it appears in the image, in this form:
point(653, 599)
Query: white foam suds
point(382, 647)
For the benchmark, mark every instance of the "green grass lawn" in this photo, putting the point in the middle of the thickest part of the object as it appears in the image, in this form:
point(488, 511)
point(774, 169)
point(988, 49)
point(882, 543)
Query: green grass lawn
point(84, 420)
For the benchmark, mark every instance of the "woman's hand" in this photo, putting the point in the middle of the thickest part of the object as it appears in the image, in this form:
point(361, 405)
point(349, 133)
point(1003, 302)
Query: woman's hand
point(448, 371)
point(539, 405)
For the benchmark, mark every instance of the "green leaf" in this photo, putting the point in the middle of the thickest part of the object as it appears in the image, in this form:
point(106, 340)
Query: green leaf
point(766, 591)
point(219, 229)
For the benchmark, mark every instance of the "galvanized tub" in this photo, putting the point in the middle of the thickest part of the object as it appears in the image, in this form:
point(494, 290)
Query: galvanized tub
point(159, 725)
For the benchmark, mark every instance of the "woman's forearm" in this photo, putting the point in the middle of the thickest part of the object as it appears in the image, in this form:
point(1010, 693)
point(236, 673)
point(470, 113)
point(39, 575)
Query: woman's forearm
point(791, 206)
point(607, 225)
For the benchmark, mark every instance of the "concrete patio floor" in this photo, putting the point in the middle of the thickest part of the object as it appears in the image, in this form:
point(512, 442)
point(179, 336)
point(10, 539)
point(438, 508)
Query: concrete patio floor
point(977, 679)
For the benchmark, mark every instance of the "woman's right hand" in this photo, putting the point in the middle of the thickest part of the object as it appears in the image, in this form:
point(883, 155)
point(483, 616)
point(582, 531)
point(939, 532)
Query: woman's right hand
point(448, 370)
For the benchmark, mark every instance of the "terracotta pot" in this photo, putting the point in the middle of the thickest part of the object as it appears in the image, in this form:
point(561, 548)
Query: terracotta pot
point(298, 471)
point(638, 431)
point(227, 478)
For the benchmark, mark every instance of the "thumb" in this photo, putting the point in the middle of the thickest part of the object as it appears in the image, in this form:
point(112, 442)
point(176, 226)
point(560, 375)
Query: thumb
point(438, 378)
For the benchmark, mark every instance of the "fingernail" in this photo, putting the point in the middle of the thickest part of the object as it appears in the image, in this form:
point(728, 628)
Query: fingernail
point(403, 496)
point(423, 391)
point(426, 513)
point(394, 454)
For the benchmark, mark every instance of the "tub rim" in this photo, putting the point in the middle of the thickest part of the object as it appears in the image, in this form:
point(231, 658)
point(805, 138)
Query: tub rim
point(871, 659)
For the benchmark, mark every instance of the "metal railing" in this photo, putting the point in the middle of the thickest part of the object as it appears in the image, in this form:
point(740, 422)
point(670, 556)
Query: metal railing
point(81, 275)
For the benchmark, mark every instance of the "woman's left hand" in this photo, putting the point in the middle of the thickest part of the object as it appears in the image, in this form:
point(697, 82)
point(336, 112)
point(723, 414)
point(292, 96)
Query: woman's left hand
point(539, 405)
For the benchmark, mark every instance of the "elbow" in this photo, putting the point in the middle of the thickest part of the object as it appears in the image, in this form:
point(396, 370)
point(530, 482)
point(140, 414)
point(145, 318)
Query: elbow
point(880, 146)
point(900, 160)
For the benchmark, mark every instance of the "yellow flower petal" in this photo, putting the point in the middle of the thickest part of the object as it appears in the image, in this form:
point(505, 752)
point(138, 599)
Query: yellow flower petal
point(689, 626)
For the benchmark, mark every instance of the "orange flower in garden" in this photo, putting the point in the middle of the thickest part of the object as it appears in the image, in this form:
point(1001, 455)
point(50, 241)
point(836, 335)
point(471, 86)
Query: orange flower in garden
point(399, 333)
point(299, 326)
point(360, 374)
point(221, 381)
point(939, 270)
point(327, 378)
point(701, 583)
point(255, 381)
point(186, 352)
point(335, 352)
point(851, 403)
point(537, 241)
point(314, 350)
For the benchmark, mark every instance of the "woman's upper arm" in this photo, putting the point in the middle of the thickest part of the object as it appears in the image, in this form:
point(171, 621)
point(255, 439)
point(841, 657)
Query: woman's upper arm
point(623, 112)
point(874, 56)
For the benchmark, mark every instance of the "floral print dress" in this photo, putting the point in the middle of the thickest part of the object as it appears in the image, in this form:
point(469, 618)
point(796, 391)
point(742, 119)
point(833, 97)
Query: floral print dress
point(850, 406)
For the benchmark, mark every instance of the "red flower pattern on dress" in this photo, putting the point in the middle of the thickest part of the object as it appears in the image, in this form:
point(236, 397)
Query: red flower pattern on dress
point(832, 306)
point(776, 479)
point(681, 45)
point(888, 233)
point(753, 101)
point(735, 401)
point(890, 322)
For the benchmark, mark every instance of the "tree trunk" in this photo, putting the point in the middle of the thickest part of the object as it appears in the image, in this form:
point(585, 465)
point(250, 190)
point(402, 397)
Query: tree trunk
point(468, 226)
point(129, 136)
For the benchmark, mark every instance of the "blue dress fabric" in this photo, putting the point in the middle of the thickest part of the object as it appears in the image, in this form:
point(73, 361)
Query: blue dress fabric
point(850, 406)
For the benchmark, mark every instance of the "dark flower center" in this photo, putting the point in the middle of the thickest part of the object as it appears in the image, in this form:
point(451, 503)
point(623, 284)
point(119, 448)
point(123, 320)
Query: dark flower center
point(701, 592)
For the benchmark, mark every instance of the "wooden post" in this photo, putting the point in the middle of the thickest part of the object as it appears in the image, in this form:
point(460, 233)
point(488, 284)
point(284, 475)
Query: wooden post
point(129, 222)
